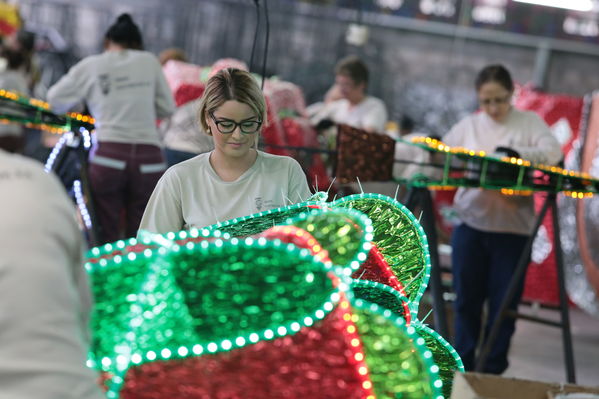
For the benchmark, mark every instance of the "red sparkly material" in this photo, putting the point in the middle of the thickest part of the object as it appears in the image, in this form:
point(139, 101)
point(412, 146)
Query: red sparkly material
point(300, 133)
point(363, 155)
point(541, 280)
point(184, 81)
point(317, 362)
point(285, 97)
point(227, 63)
point(376, 268)
point(273, 132)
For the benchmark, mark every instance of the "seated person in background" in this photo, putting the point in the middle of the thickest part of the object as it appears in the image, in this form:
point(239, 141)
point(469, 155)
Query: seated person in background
point(183, 136)
point(234, 179)
point(181, 133)
point(333, 94)
point(44, 295)
point(355, 108)
point(172, 53)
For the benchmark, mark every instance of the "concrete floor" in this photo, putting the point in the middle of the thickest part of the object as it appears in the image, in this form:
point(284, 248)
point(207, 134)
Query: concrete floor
point(537, 350)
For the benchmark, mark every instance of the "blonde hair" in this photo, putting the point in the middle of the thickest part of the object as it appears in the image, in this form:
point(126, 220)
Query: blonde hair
point(231, 84)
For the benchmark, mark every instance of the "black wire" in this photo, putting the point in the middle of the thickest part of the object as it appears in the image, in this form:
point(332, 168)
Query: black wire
point(265, 43)
point(257, 3)
point(360, 12)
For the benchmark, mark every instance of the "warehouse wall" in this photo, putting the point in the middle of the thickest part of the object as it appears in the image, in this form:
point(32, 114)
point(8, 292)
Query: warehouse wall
point(427, 76)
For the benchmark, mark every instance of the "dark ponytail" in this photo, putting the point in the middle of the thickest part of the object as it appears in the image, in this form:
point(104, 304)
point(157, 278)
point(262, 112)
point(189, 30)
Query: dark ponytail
point(125, 33)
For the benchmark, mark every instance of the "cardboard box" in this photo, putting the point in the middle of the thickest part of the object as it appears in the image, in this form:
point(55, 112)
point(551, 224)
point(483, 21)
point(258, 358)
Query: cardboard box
point(486, 386)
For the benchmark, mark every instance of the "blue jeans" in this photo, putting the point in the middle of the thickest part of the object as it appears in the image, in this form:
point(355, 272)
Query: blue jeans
point(483, 264)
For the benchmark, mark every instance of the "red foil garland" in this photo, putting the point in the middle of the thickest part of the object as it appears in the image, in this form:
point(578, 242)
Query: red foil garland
point(317, 362)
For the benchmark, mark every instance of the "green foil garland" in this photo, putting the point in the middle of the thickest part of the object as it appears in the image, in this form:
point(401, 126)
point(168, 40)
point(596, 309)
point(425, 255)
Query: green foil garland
point(380, 294)
point(444, 355)
point(341, 232)
point(399, 237)
point(399, 363)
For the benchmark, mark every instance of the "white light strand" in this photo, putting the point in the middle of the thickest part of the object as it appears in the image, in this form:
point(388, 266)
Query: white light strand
point(81, 204)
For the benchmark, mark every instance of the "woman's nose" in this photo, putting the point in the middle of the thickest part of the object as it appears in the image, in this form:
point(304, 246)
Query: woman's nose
point(237, 132)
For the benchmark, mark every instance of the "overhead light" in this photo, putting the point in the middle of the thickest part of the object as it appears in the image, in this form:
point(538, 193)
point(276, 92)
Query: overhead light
point(356, 35)
point(576, 5)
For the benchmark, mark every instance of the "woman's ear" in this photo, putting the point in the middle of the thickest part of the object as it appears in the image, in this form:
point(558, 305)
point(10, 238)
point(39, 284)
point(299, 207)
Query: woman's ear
point(209, 131)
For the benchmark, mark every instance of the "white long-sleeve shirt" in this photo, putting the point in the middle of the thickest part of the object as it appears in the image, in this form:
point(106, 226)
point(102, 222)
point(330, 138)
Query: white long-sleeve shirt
point(126, 93)
point(191, 194)
point(370, 114)
point(522, 131)
point(183, 132)
point(44, 295)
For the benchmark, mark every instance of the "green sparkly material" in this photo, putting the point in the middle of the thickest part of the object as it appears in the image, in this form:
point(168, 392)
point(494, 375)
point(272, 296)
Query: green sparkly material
point(202, 294)
point(255, 224)
point(398, 367)
point(399, 237)
point(444, 356)
point(225, 293)
point(380, 294)
point(226, 298)
point(344, 233)
point(115, 286)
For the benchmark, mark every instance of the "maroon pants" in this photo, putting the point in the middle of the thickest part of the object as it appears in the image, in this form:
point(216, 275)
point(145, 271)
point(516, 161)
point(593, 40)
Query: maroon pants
point(122, 177)
point(14, 144)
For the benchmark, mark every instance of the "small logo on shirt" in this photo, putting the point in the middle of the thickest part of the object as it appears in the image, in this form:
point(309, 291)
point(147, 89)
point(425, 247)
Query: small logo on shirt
point(259, 203)
point(104, 81)
point(262, 204)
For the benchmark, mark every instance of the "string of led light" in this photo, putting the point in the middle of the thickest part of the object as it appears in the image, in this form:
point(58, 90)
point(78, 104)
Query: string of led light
point(572, 183)
point(42, 118)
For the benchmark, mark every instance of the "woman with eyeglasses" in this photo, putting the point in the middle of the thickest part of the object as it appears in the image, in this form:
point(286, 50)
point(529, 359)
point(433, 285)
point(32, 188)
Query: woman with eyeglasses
point(494, 229)
point(233, 180)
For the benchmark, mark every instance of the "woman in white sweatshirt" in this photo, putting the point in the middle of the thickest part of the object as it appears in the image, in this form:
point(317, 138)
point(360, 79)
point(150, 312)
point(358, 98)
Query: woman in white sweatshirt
point(487, 245)
point(126, 92)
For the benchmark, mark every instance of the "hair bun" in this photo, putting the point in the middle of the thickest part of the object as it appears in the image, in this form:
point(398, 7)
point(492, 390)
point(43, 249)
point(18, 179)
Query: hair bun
point(125, 18)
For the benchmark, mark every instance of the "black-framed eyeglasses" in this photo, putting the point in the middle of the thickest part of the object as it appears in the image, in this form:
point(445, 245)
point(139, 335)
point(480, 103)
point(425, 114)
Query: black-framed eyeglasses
point(228, 126)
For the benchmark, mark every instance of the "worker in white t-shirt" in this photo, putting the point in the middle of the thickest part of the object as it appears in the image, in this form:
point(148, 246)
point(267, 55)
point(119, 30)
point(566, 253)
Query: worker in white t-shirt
point(234, 179)
point(126, 92)
point(488, 244)
point(44, 294)
point(355, 108)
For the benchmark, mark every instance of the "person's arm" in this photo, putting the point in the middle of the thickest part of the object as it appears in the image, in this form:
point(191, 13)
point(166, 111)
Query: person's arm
point(298, 185)
point(165, 105)
point(326, 112)
point(69, 90)
point(456, 135)
point(376, 119)
point(544, 146)
point(163, 211)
